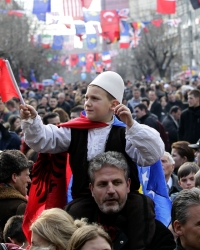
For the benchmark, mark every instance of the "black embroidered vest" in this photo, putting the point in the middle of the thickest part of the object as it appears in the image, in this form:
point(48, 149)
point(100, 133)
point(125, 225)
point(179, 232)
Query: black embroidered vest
point(78, 158)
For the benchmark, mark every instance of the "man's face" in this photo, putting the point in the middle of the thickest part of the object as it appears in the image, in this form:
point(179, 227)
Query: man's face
point(189, 233)
point(54, 120)
point(167, 166)
point(61, 98)
point(139, 113)
point(53, 103)
point(187, 182)
point(110, 189)
point(152, 96)
point(197, 155)
point(177, 115)
point(22, 181)
point(172, 97)
point(193, 101)
point(136, 94)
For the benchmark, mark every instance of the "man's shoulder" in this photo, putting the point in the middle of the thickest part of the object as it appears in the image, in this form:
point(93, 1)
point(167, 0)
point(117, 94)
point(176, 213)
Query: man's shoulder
point(163, 238)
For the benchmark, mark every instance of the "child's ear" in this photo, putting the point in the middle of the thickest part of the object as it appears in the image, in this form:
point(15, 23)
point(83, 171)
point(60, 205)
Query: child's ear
point(114, 103)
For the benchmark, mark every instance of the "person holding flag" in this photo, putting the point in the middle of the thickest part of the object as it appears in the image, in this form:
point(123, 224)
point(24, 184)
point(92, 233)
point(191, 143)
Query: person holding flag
point(96, 131)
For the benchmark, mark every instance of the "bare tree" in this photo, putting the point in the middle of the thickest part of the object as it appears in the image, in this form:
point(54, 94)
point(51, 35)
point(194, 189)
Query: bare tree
point(157, 49)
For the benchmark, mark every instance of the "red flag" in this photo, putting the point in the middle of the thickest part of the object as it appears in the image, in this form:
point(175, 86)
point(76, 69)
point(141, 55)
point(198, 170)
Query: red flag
point(89, 61)
point(166, 6)
point(7, 88)
point(73, 60)
point(49, 177)
point(157, 22)
point(110, 25)
point(8, 1)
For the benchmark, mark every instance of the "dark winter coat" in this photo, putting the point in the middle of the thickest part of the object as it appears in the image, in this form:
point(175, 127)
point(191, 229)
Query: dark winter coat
point(189, 126)
point(172, 129)
point(156, 109)
point(135, 226)
point(12, 202)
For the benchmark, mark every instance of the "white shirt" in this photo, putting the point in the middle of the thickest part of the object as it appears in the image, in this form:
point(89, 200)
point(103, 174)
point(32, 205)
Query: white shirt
point(143, 144)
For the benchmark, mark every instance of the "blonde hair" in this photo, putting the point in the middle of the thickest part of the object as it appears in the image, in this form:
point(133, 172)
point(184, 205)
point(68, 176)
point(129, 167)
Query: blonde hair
point(86, 233)
point(56, 227)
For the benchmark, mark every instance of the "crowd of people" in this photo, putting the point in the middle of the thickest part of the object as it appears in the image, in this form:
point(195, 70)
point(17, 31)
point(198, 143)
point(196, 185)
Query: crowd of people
point(107, 128)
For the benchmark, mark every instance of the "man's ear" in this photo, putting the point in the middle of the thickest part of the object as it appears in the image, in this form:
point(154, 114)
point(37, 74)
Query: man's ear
point(14, 177)
point(177, 228)
point(91, 188)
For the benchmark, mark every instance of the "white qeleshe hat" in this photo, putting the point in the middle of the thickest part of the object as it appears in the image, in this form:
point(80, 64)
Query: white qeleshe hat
point(112, 83)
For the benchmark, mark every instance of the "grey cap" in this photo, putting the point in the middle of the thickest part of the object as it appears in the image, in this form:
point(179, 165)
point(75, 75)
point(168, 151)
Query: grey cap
point(197, 145)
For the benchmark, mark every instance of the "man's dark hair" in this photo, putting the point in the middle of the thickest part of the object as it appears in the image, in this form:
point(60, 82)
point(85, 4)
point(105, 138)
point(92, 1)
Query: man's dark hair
point(187, 168)
point(145, 99)
point(16, 99)
point(184, 200)
point(42, 107)
point(195, 93)
point(13, 229)
point(141, 106)
point(174, 109)
point(11, 103)
point(77, 108)
point(49, 115)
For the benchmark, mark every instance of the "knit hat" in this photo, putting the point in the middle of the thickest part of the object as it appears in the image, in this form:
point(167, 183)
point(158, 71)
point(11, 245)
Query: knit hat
point(111, 82)
point(12, 161)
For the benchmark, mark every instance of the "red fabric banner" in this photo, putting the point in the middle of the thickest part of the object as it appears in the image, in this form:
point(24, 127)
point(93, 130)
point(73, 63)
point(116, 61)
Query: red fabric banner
point(166, 6)
point(110, 25)
point(7, 87)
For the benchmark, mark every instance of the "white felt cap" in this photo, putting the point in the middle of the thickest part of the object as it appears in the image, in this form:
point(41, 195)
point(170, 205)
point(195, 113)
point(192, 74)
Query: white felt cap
point(112, 83)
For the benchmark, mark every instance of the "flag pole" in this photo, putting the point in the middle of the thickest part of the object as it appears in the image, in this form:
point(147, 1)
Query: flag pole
point(15, 83)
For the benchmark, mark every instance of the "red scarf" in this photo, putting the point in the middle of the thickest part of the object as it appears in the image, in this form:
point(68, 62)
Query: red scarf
point(49, 175)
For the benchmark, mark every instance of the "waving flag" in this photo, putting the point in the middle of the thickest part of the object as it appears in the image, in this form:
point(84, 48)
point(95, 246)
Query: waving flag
point(81, 60)
point(57, 42)
point(110, 25)
point(174, 22)
point(80, 30)
point(154, 185)
point(106, 59)
point(91, 16)
point(73, 60)
point(40, 8)
point(124, 35)
point(195, 4)
point(7, 88)
point(89, 61)
point(135, 38)
point(73, 8)
point(166, 6)
point(91, 41)
point(46, 41)
point(123, 13)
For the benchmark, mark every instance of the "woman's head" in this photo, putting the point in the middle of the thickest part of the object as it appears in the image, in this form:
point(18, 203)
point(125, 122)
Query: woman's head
point(182, 153)
point(52, 229)
point(14, 121)
point(87, 236)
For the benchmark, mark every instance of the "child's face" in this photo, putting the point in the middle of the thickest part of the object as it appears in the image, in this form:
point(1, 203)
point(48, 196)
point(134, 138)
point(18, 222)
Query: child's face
point(97, 105)
point(187, 182)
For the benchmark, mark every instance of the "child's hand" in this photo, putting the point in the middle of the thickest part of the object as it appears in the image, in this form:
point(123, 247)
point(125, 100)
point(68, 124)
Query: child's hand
point(27, 112)
point(124, 114)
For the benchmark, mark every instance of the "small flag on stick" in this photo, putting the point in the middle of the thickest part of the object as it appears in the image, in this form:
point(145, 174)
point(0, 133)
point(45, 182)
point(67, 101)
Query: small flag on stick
point(8, 84)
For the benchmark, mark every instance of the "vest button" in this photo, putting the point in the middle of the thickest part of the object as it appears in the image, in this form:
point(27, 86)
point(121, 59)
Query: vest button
point(121, 242)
